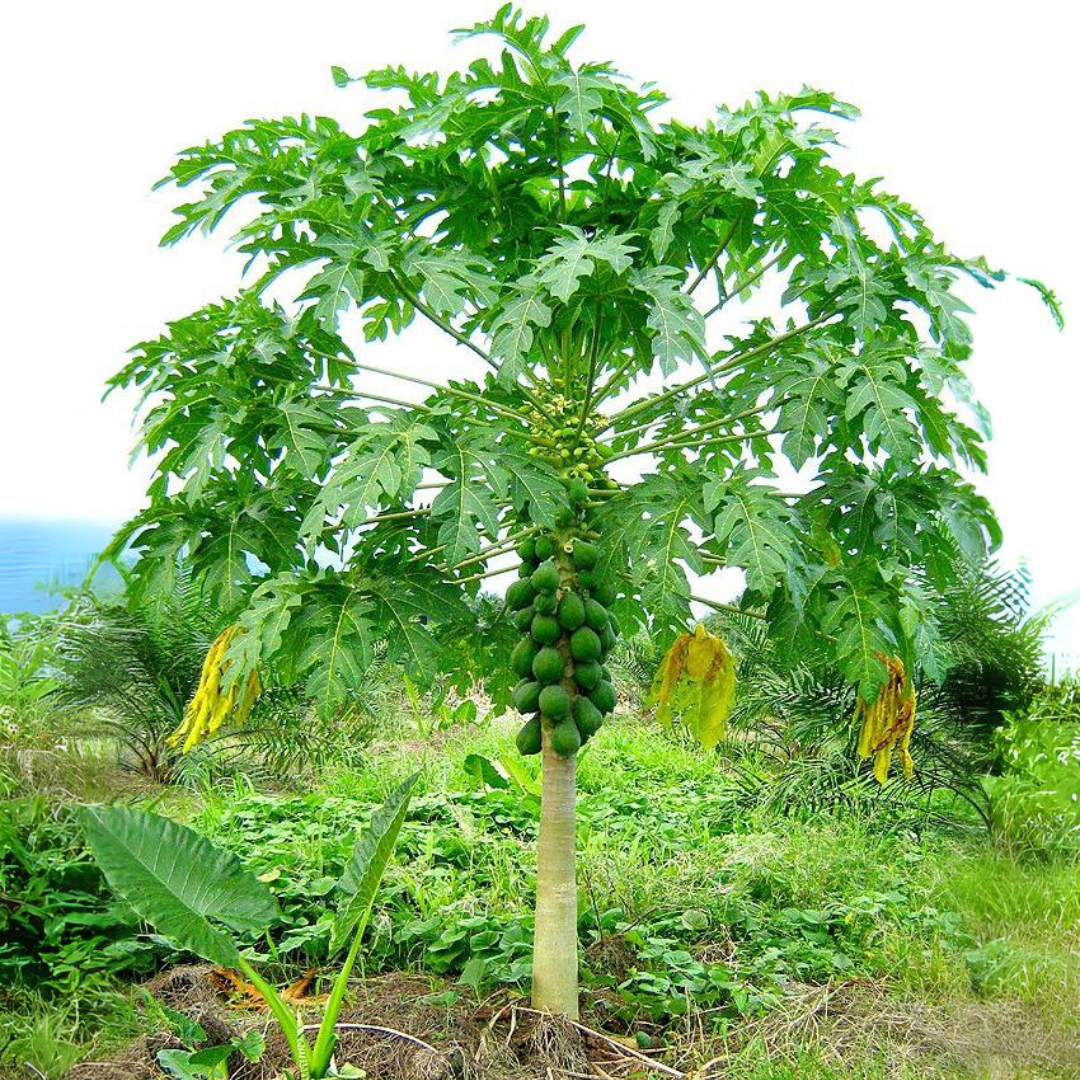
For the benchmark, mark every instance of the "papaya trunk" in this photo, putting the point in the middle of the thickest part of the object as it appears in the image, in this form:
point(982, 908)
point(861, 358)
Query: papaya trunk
point(555, 959)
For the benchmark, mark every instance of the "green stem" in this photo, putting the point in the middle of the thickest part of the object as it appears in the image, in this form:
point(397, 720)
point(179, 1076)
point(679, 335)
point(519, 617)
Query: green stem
point(606, 390)
point(594, 354)
point(293, 1036)
point(745, 283)
point(717, 606)
point(707, 268)
point(691, 431)
point(327, 1037)
point(487, 574)
point(734, 361)
point(675, 444)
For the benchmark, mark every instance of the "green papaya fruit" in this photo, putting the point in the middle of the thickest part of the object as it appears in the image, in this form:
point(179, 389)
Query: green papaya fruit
point(584, 555)
point(571, 612)
point(587, 716)
point(578, 491)
point(527, 549)
point(587, 675)
point(607, 640)
point(585, 645)
point(545, 629)
point(616, 629)
point(606, 592)
point(519, 595)
point(545, 547)
point(547, 664)
point(525, 569)
point(554, 702)
point(523, 618)
point(546, 603)
point(563, 516)
point(565, 738)
point(527, 696)
point(521, 659)
point(596, 615)
point(545, 578)
point(530, 738)
point(603, 697)
point(586, 579)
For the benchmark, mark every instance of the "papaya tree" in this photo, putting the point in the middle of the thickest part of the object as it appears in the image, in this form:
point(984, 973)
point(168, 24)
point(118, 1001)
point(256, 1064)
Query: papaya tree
point(624, 419)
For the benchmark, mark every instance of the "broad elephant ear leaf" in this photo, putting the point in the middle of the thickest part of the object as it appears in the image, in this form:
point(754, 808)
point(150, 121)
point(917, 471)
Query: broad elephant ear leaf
point(361, 879)
point(177, 880)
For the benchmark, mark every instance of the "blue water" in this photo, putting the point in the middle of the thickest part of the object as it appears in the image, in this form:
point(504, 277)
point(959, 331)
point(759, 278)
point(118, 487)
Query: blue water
point(37, 556)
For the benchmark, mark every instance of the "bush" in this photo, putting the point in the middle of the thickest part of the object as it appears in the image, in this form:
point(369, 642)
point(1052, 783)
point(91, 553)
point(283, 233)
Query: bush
point(1036, 799)
point(60, 926)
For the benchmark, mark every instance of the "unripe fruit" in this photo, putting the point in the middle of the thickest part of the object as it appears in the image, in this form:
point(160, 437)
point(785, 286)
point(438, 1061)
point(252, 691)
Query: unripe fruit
point(586, 579)
point(545, 578)
point(527, 549)
point(585, 555)
point(607, 639)
point(563, 516)
point(603, 697)
point(519, 595)
point(616, 629)
point(587, 716)
point(565, 738)
point(554, 702)
point(606, 593)
point(571, 612)
point(545, 548)
point(527, 697)
point(578, 491)
point(547, 664)
point(523, 618)
point(587, 675)
point(545, 629)
point(521, 659)
point(530, 738)
point(546, 603)
point(596, 615)
point(585, 645)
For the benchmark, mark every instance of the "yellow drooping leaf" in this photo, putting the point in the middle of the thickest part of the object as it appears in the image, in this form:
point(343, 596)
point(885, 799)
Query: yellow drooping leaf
point(212, 705)
point(696, 683)
point(887, 723)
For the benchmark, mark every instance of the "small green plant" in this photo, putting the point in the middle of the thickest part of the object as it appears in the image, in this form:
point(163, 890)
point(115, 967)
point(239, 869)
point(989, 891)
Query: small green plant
point(184, 886)
point(212, 1062)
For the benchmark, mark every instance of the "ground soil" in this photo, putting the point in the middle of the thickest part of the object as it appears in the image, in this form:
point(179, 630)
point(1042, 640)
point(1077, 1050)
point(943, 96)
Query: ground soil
point(401, 1030)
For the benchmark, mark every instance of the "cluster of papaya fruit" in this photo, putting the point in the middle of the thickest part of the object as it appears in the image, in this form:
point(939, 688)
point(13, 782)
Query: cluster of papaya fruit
point(561, 604)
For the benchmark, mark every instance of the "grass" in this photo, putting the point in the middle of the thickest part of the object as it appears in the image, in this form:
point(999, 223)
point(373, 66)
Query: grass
point(705, 919)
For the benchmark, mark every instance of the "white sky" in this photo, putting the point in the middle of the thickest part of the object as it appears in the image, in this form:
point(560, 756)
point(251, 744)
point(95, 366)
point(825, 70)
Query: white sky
point(969, 113)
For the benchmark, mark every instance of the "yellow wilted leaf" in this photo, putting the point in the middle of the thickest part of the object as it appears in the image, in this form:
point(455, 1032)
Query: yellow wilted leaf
point(696, 682)
point(889, 721)
point(210, 707)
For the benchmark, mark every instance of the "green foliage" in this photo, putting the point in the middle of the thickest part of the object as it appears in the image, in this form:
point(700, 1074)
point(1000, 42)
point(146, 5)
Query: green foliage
point(183, 885)
point(26, 676)
point(534, 209)
point(62, 931)
point(1036, 800)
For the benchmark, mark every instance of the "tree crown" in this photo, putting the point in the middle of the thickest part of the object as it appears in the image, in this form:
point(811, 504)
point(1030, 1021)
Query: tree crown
point(572, 246)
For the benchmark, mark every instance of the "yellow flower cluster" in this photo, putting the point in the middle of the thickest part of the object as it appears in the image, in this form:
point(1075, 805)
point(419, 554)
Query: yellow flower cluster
point(889, 721)
point(696, 681)
point(211, 706)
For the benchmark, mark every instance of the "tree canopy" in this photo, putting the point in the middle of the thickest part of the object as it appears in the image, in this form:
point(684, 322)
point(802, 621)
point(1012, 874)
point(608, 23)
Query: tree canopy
point(571, 244)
